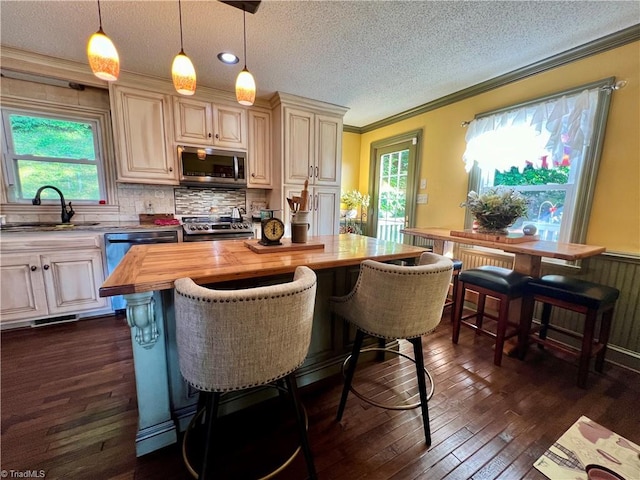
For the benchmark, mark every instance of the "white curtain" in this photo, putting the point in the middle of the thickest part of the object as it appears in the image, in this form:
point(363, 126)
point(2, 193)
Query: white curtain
point(532, 134)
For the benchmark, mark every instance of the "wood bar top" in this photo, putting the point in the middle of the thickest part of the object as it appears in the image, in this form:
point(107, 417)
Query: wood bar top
point(147, 268)
point(540, 248)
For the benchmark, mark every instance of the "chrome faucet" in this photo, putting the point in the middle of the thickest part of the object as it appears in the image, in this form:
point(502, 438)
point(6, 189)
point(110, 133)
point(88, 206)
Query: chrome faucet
point(67, 210)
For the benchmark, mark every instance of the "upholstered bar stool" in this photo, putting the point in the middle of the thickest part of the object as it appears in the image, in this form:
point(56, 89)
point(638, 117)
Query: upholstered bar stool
point(396, 302)
point(451, 300)
point(587, 298)
point(497, 282)
point(232, 340)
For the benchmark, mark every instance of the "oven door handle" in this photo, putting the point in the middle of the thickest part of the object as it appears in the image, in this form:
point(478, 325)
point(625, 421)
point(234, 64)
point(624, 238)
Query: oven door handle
point(144, 241)
point(235, 167)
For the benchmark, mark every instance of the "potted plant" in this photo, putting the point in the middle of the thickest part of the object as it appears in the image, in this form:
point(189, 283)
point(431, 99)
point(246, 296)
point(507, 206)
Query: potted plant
point(496, 209)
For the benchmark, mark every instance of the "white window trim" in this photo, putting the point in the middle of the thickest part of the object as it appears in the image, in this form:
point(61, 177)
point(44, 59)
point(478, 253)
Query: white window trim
point(103, 120)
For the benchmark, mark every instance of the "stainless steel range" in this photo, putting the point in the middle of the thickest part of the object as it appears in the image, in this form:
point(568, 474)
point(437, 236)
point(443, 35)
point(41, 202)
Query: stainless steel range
point(207, 229)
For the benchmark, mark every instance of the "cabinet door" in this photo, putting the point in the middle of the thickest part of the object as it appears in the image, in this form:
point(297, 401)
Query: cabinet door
point(72, 280)
point(326, 211)
point(298, 146)
point(193, 121)
point(142, 122)
point(22, 288)
point(259, 154)
point(328, 151)
point(230, 127)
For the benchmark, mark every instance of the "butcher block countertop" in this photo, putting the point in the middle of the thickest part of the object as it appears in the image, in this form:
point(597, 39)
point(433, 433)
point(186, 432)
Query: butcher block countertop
point(155, 267)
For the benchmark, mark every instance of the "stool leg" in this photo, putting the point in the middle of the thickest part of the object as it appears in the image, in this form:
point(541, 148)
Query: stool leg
point(357, 345)
point(302, 429)
point(381, 344)
point(454, 298)
point(482, 298)
point(587, 343)
point(603, 338)
point(212, 402)
point(422, 387)
point(458, 306)
point(501, 329)
point(544, 321)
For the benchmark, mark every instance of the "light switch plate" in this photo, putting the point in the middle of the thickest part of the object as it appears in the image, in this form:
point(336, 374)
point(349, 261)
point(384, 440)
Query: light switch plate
point(423, 183)
point(422, 198)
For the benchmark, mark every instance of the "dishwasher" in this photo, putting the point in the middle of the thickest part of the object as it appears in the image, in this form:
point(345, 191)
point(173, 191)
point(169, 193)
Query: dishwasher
point(118, 244)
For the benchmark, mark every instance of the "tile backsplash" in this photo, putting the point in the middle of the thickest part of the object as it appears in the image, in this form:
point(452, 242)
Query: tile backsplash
point(134, 199)
point(200, 201)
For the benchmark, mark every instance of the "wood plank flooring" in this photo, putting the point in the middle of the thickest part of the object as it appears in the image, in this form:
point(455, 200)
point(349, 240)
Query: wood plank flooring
point(69, 408)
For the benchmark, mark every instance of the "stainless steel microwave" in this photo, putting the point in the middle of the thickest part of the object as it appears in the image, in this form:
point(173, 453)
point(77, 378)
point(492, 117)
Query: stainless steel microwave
point(208, 167)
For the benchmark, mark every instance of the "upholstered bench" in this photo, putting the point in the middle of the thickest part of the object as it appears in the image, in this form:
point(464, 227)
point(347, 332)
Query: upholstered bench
point(588, 298)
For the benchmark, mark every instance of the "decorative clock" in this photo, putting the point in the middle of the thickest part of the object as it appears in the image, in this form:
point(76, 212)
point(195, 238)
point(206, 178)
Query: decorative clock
point(272, 231)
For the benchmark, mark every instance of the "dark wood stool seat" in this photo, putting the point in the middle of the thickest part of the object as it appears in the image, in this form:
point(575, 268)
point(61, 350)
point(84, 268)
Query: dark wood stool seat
point(451, 301)
point(588, 298)
point(497, 282)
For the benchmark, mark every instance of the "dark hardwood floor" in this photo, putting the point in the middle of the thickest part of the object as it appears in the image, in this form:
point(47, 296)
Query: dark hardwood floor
point(69, 408)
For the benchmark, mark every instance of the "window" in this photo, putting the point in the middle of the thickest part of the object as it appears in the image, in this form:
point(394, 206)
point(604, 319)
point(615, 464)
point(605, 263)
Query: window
point(63, 150)
point(548, 150)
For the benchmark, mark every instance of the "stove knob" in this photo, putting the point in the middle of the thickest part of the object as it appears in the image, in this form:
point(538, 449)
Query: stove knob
point(199, 227)
point(192, 227)
point(206, 227)
point(234, 226)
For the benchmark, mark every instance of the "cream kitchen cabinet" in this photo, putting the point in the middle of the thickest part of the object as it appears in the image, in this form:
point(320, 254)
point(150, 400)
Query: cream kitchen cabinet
point(324, 209)
point(259, 153)
point(312, 147)
point(59, 276)
point(142, 133)
point(204, 123)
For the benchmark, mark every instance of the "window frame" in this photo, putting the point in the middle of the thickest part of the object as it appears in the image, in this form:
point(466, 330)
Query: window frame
point(584, 185)
point(102, 145)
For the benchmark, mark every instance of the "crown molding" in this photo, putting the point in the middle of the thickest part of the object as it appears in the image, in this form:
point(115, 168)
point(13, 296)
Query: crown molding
point(615, 40)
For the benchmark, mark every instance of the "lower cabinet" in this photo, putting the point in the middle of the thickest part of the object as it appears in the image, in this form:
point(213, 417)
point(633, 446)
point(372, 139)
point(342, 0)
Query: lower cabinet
point(58, 281)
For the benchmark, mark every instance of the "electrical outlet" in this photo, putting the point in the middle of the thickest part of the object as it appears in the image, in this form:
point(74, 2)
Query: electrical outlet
point(423, 183)
point(422, 198)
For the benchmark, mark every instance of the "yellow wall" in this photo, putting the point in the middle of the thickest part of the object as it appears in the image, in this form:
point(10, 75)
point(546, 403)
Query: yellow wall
point(351, 162)
point(615, 216)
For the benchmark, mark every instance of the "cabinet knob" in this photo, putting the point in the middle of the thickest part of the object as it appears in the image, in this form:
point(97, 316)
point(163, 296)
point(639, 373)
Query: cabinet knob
point(171, 169)
point(33, 268)
point(253, 175)
point(217, 136)
point(46, 267)
point(209, 134)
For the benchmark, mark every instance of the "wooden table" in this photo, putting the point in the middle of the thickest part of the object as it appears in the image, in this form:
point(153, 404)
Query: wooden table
point(528, 255)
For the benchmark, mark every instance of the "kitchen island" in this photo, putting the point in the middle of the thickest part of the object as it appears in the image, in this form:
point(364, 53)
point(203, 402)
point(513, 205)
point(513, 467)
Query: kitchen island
point(145, 277)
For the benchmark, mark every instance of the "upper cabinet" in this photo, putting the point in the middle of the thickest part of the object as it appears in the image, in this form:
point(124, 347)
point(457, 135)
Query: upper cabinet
point(259, 153)
point(312, 148)
point(204, 123)
point(142, 132)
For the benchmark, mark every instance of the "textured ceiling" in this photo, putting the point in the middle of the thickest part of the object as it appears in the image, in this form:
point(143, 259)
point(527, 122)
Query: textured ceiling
point(378, 58)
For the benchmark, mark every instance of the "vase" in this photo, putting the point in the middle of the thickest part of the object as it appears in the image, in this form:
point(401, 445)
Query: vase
point(494, 223)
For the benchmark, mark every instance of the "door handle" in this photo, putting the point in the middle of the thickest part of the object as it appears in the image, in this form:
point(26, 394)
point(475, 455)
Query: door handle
point(315, 202)
point(310, 171)
point(316, 172)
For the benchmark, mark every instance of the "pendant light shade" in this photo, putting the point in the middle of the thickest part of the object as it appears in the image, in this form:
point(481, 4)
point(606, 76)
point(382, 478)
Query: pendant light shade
point(182, 70)
point(102, 54)
point(245, 83)
point(184, 75)
point(245, 88)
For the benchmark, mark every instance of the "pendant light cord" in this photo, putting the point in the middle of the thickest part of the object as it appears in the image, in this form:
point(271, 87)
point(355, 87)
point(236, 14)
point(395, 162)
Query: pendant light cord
point(99, 16)
point(244, 28)
point(180, 15)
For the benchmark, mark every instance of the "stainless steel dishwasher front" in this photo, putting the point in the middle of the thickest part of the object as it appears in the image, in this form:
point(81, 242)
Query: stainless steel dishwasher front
point(118, 244)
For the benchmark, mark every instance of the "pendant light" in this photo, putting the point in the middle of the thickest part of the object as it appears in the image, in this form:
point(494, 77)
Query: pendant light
point(102, 54)
point(245, 84)
point(182, 71)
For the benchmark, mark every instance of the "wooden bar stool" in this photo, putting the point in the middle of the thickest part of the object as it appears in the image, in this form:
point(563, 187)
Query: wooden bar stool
point(451, 301)
point(587, 298)
point(230, 340)
point(395, 302)
point(497, 282)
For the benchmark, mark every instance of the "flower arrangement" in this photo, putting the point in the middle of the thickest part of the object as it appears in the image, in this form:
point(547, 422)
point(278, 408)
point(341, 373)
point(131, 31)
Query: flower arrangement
point(496, 209)
point(354, 200)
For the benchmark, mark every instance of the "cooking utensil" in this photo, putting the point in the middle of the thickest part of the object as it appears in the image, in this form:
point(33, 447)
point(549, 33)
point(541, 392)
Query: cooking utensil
point(304, 195)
